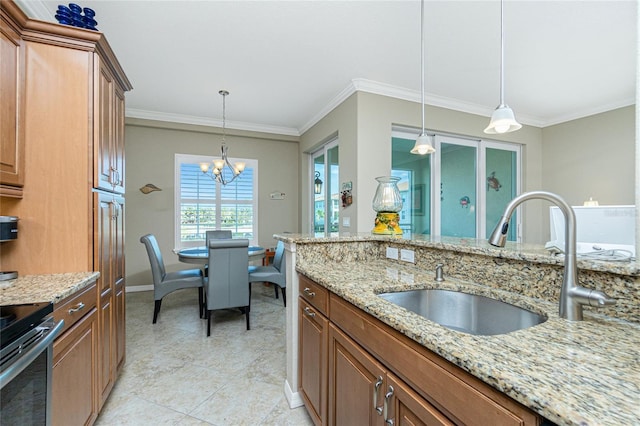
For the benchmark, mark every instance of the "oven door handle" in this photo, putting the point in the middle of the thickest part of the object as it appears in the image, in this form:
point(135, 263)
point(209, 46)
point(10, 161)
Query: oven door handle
point(32, 353)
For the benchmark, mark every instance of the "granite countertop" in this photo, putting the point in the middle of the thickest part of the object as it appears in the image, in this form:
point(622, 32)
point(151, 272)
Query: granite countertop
point(573, 373)
point(516, 251)
point(44, 288)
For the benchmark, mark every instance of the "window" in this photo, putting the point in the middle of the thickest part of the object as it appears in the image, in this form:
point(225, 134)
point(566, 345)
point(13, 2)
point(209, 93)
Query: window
point(203, 204)
point(461, 190)
point(326, 204)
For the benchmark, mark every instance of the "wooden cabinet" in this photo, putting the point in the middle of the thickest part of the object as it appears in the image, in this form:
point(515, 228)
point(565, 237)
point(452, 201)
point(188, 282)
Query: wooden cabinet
point(109, 250)
point(74, 397)
point(12, 111)
point(73, 122)
point(109, 149)
point(377, 375)
point(314, 327)
point(362, 391)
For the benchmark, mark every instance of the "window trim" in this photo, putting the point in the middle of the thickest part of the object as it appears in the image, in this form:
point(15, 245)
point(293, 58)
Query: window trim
point(197, 159)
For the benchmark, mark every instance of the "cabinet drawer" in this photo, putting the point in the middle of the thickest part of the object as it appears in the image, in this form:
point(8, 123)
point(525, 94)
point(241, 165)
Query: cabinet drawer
point(315, 294)
point(74, 307)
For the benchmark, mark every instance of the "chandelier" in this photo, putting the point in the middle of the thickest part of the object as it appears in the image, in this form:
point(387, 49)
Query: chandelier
point(223, 171)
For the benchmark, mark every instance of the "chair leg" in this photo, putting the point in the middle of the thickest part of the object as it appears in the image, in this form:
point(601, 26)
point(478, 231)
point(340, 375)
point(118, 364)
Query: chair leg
point(247, 309)
point(275, 287)
point(284, 296)
point(156, 310)
point(200, 301)
point(208, 323)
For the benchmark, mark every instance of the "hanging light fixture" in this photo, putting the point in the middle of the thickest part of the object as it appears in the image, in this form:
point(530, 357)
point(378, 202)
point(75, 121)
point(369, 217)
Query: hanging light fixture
point(424, 144)
point(223, 171)
point(503, 120)
point(317, 184)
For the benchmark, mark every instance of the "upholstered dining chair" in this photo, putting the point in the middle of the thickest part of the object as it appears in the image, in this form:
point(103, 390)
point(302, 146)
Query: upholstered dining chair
point(167, 282)
point(274, 273)
point(227, 286)
point(216, 234)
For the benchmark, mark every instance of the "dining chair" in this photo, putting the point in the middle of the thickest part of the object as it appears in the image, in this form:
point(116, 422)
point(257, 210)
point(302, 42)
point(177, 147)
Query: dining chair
point(274, 273)
point(167, 282)
point(227, 286)
point(216, 234)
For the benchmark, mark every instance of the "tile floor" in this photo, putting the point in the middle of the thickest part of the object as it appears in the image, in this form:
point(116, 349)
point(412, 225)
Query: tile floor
point(175, 375)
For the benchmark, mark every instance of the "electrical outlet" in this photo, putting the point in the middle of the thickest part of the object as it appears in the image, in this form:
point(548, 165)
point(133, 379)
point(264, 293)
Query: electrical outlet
point(407, 256)
point(346, 221)
point(392, 253)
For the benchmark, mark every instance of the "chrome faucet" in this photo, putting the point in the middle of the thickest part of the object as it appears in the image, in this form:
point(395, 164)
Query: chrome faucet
point(572, 296)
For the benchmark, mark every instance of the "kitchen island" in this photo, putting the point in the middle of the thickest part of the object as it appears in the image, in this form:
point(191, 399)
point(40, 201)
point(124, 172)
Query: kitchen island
point(571, 373)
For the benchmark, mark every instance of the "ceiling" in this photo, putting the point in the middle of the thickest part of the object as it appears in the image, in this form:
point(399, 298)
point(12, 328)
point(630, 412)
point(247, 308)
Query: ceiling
point(287, 63)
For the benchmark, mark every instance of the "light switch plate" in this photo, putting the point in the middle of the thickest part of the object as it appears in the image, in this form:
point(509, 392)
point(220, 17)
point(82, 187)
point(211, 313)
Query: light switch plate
point(392, 253)
point(346, 221)
point(407, 256)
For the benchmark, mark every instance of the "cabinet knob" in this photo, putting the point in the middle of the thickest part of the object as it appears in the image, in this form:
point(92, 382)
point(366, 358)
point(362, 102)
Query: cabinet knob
point(309, 312)
point(308, 292)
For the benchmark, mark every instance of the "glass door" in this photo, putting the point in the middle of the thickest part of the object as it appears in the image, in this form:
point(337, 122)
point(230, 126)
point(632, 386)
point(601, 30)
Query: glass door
point(326, 190)
point(457, 213)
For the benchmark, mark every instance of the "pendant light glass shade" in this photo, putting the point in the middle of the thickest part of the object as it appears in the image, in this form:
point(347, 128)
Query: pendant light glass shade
point(503, 120)
point(424, 144)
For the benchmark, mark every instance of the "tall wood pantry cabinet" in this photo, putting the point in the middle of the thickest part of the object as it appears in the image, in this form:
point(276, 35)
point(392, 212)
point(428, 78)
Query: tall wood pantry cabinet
point(69, 116)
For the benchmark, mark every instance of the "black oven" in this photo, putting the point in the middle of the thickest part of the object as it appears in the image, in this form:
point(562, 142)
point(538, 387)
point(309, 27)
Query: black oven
point(27, 333)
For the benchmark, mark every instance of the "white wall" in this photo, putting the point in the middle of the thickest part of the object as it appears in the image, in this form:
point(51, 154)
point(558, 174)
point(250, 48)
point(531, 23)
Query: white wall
point(150, 147)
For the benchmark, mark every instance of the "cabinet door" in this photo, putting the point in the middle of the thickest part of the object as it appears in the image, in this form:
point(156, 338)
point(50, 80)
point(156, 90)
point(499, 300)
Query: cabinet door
point(118, 277)
point(356, 383)
point(313, 339)
point(11, 114)
point(74, 378)
point(109, 145)
point(405, 407)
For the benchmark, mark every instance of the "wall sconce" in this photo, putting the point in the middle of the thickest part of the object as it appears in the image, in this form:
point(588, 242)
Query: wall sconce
point(317, 184)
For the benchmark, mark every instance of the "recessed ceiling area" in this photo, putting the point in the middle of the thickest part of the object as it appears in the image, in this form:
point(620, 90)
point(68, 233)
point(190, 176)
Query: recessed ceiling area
point(287, 63)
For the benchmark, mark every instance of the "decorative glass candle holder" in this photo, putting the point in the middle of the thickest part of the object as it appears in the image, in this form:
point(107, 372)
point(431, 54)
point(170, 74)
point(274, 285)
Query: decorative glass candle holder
point(387, 203)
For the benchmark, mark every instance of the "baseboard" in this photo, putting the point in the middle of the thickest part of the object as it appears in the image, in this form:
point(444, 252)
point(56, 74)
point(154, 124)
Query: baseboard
point(293, 398)
point(137, 288)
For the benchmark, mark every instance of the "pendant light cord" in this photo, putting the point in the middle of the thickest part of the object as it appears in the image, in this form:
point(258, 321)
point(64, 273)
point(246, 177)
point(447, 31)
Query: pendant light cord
point(501, 52)
point(422, 61)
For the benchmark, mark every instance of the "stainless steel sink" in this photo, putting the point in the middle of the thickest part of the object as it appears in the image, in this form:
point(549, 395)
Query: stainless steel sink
point(468, 313)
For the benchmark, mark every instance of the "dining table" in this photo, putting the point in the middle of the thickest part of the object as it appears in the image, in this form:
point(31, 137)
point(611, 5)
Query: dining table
point(200, 255)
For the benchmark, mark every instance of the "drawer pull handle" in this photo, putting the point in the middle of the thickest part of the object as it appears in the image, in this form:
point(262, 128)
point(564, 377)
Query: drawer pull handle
point(308, 292)
point(376, 388)
point(387, 397)
point(78, 307)
point(309, 312)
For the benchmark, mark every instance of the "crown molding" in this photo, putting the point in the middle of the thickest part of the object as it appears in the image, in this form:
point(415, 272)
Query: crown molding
point(203, 121)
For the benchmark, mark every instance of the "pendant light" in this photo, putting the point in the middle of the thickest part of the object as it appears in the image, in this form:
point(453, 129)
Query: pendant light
point(423, 144)
point(503, 120)
point(223, 171)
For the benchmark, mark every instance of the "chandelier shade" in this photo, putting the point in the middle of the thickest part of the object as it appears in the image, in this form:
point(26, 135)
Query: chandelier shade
point(223, 171)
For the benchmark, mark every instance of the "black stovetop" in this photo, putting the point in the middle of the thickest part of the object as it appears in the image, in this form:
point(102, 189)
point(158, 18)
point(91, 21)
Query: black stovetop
point(15, 320)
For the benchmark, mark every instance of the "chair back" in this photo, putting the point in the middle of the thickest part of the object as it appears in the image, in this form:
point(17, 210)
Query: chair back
point(278, 258)
point(228, 282)
point(218, 234)
point(155, 258)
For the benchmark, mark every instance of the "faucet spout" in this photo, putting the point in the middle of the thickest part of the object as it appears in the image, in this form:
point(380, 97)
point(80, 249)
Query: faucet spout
point(572, 296)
